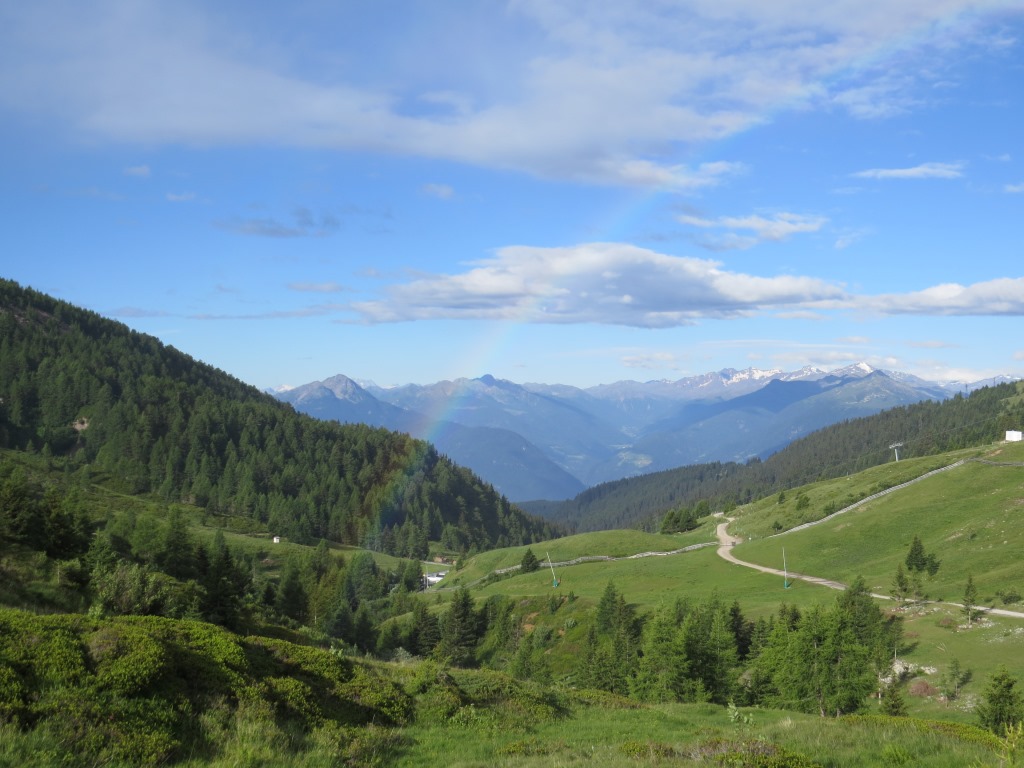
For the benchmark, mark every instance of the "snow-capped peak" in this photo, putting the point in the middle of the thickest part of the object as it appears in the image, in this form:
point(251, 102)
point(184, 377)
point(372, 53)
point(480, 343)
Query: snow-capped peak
point(857, 369)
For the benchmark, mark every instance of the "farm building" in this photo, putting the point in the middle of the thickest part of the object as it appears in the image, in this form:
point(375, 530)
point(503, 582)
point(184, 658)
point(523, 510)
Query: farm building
point(1014, 435)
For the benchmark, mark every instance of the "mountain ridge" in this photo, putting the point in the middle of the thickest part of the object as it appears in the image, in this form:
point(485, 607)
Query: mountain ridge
point(568, 438)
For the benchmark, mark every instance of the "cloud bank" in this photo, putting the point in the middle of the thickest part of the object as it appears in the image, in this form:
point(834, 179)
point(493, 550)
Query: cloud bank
point(620, 284)
point(581, 91)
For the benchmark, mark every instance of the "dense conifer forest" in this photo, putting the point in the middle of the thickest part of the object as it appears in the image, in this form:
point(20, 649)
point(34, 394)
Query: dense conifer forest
point(75, 384)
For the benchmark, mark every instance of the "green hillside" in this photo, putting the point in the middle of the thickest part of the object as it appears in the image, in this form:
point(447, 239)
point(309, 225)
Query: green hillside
point(966, 516)
point(924, 429)
point(76, 386)
point(151, 616)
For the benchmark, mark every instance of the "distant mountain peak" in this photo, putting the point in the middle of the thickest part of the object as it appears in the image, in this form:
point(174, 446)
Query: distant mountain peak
point(732, 376)
point(857, 369)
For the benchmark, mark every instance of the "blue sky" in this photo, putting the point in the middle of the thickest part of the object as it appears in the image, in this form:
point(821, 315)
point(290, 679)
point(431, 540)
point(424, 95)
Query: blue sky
point(559, 192)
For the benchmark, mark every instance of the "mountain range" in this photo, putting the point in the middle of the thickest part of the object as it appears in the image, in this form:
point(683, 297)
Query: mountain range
point(551, 441)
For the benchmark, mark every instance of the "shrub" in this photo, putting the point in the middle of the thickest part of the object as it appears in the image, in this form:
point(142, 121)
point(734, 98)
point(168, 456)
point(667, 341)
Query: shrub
point(646, 750)
point(921, 688)
point(380, 700)
point(12, 695)
point(530, 746)
point(127, 659)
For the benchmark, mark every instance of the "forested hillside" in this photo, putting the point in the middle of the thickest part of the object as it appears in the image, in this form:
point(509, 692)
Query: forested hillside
point(75, 384)
point(922, 429)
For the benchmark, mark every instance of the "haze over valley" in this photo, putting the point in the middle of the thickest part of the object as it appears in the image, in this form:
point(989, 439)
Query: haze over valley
point(550, 441)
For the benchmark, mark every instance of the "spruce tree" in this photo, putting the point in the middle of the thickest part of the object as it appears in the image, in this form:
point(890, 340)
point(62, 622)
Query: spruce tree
point(970, 599)
point(1002, 706)
point(900, 585)
point(607, 613)
point(916, 559)
point(459, 630)
point(530, 563)
point(893, 703)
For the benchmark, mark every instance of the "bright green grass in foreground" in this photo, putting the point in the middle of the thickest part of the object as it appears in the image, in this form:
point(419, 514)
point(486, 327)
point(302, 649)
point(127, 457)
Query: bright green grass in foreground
point(683, 734)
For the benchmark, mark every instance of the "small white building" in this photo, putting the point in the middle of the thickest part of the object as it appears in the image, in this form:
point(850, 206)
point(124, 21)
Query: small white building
point(430, 579)
point(1014, 435)
point(277, 539)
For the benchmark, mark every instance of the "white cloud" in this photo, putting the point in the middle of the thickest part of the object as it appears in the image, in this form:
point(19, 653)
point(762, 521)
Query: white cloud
point(775, 228)
point(886, 97)
point(1002, 296)
point(440, 191)
point(607, 283)
point(651, 361)
point(141, 171)
point(923, 171)
point(304, 224)
point(621, 284)
point(931, 344)
point(1014, 189)
point(593, 92)
point(330, 287)
point(849, 237)
point(180, 197)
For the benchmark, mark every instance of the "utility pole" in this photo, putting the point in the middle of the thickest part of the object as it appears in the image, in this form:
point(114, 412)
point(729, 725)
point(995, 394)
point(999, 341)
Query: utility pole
point(896, 447)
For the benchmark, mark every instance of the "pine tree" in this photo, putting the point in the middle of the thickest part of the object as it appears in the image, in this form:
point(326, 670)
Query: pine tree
point(291, 599)
point(916, 559)
point(606, 610)
point(953, 679)
point(893, 703)
point(970, 599)
point(459, 630)
point(900, 585)
point(425, 633)
point(521, 667)
point(1002, 706)
point(530, 563)
point(661, 666)
point(364, 630)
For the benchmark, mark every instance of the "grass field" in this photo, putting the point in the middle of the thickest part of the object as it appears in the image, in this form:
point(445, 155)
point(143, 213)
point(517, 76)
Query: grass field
point(967, 517)
point(610, 543)
point(683, 734)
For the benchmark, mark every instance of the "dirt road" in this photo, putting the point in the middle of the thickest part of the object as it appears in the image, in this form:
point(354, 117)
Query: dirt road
point(726, 542)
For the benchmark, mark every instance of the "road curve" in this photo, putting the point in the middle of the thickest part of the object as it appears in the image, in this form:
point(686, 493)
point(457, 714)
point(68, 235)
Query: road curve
point(727, 541)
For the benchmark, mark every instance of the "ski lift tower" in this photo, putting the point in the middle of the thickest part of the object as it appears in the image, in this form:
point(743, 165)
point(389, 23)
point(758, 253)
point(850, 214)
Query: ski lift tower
point(896, 447)
point(554, 579)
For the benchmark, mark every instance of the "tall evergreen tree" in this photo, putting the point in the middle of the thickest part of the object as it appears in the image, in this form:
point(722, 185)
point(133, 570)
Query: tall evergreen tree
point(892, 703)
point(1002, 706)
point(529, 563)
point(661, 667)
point(970, 599)
point(425, 632)
point(916, 559)
point(459, 630)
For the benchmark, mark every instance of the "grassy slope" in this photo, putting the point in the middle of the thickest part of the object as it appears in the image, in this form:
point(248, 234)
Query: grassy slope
point(968, 518)
point(679, 735)
point(610, 543)
point(965, 516)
